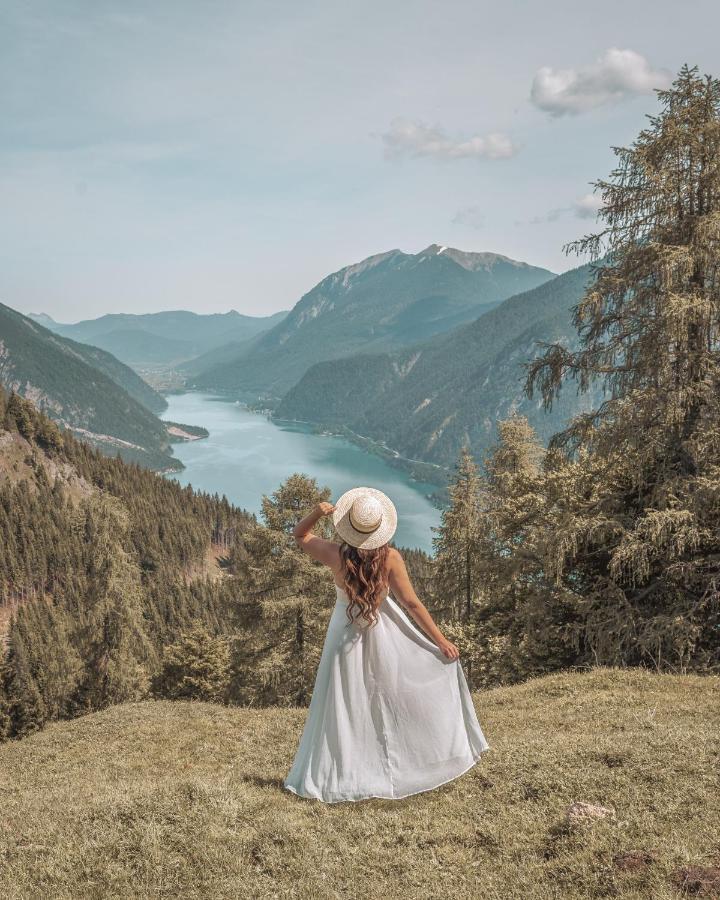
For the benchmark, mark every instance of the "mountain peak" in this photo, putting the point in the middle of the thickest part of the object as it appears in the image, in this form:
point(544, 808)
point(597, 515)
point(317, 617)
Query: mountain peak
point(42, 319)
point(433, 250)
point(470, 260)
point(345, 274)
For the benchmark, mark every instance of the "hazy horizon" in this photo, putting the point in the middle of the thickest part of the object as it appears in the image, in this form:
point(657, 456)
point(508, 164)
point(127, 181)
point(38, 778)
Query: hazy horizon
point(38, 312)
point(223, 156)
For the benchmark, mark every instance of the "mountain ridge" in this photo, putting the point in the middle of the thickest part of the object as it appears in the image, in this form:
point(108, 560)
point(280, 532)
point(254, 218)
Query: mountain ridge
point(427, 400)
point(84, 389)
point(162, 338)
point(384, 301)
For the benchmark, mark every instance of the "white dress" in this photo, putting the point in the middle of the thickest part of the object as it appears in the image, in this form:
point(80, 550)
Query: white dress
point(389, 716)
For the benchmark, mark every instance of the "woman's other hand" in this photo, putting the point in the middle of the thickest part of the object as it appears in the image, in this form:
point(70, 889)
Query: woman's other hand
point(449, 649)
point(324, 508)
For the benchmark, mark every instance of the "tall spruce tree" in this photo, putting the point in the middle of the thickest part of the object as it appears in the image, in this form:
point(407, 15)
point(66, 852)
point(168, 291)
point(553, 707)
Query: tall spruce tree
point(634, 534)
point(526, 623)
point(118, 655)
point(457, 542)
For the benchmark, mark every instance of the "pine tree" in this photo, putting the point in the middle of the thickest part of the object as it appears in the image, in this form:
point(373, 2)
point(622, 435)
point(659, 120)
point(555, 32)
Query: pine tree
point(517, 452)
point(484, 556)
point(636, 540)
point(117, 653)
point(23, 703)
point(196, 667)
point(19, 416)
point(49, 436)
point(6, 724)
point(457, 540)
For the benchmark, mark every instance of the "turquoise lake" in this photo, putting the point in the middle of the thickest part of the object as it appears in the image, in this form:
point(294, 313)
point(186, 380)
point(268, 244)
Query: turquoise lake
point(248, 455)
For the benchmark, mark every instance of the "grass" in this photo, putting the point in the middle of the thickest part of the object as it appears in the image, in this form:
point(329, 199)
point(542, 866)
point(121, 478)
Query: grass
point(161, 799)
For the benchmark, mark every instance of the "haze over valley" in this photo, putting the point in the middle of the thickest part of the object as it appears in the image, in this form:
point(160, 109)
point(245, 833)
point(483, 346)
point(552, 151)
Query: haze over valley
point(408, 355)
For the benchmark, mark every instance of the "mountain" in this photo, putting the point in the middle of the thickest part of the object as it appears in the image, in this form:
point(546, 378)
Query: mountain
point(83, 388)
point(427, 400)
point(185, 799)
point(212, 358)
point(165, 338)
point(142, 348)
point(121, 374)
point(45, 320)
point(385, 302)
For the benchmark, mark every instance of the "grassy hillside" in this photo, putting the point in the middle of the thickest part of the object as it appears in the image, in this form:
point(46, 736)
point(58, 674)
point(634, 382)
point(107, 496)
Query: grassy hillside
point(186, 800)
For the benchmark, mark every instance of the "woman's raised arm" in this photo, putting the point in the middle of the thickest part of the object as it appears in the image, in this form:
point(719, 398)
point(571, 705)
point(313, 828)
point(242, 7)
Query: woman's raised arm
point(326, 552)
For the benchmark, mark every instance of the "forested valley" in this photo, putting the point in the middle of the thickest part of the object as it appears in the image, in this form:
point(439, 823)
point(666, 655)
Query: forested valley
point(602, 548)
point(117, 584)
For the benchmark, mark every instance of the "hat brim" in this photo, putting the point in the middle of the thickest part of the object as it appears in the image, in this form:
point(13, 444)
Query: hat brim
point(363, 541)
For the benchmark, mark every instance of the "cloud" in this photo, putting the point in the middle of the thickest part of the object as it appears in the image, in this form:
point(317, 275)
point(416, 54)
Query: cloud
point(471, 216)
point(406, 138)
point(585, 207)
point(616, 75)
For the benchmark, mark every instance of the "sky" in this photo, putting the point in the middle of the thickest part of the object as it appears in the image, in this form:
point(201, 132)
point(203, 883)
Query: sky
point(228, 154)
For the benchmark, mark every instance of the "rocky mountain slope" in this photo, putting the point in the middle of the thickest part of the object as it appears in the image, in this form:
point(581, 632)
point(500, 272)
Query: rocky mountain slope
point(425, 401)
point(387, 301)
point(85, 389)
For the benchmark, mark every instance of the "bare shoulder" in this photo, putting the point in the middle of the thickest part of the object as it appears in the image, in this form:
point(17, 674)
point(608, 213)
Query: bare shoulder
point(399, 579)
point(327, 552)
point(395, 560)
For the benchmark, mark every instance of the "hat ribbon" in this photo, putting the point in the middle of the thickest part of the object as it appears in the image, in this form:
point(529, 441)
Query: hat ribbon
point(364, 530)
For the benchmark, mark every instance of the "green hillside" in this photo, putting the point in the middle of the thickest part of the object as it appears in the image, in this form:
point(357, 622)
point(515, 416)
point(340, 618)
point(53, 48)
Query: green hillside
point(102, 567)
point(85, 389)
point(163, 799)
point(121, 374)
point(427, 400)
point(386, 301)
point(225, 353)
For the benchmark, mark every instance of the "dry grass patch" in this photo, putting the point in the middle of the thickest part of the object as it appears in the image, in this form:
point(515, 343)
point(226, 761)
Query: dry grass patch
point(161, 799)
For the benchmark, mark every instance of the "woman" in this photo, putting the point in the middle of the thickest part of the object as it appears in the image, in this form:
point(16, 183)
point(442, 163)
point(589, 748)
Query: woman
point(391, 714)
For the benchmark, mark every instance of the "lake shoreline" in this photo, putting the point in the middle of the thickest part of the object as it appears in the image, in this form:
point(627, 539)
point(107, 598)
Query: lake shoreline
point(413, 467)
point(248, 455)
point(417, 469)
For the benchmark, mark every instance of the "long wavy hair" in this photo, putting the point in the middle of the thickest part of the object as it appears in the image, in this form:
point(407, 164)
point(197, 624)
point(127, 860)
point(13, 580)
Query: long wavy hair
point(365, 578)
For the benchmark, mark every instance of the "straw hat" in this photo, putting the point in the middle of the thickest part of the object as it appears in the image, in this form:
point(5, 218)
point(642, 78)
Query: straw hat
point(365, 518)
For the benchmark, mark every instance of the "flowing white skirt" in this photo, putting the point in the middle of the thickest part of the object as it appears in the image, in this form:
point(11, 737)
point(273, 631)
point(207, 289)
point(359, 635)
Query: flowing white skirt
point(390, 715)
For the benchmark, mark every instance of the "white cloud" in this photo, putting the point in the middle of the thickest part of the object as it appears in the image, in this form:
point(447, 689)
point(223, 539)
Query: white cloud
point(406, 138)
point(471, 216)
point(616, 75)
point(587, 207)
